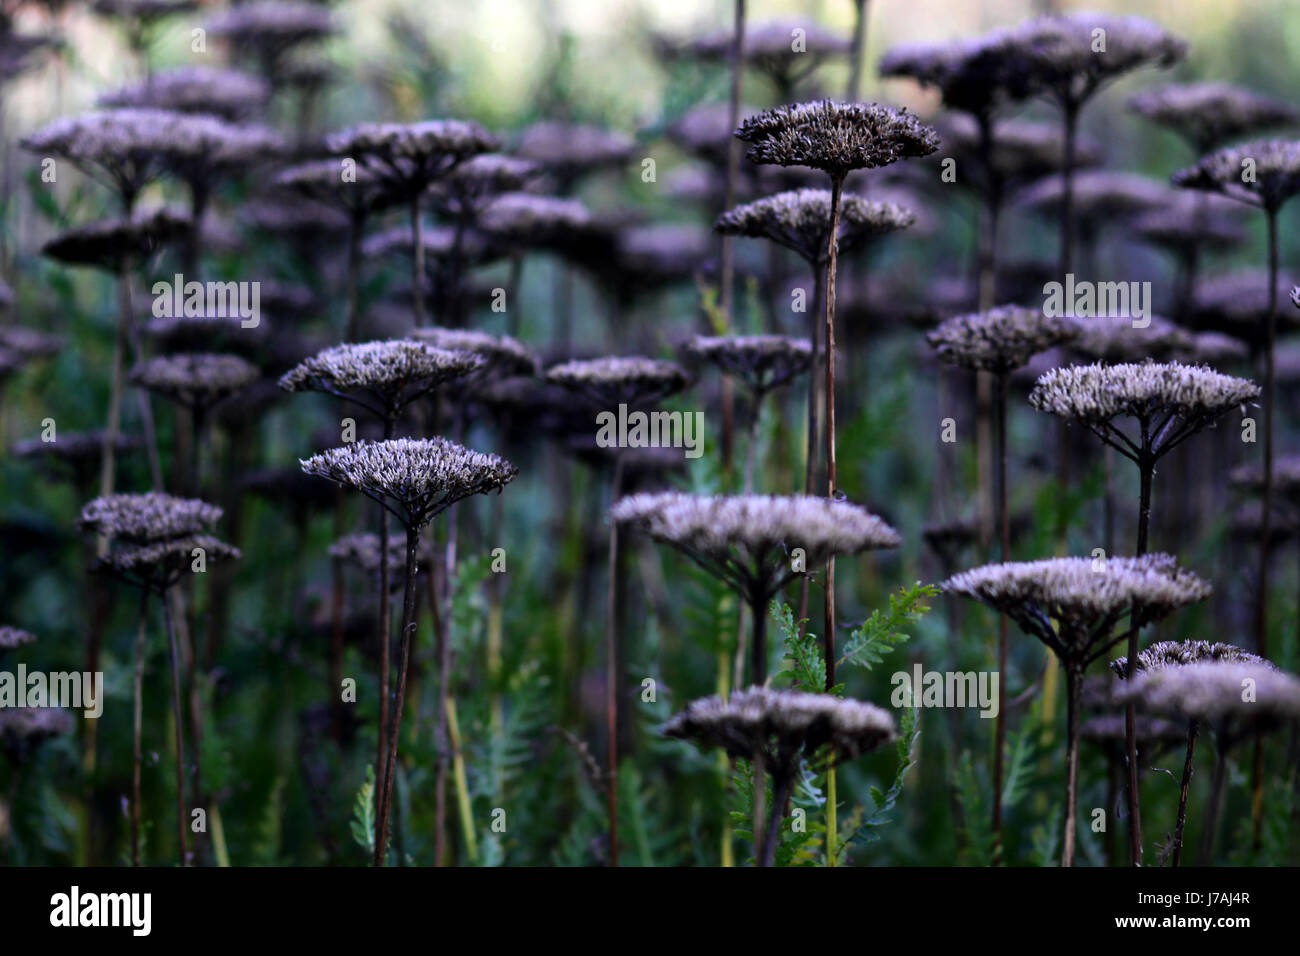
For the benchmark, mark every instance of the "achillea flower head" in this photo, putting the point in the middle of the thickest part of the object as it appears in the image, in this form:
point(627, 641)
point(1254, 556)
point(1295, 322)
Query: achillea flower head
point(571, 150)
point(1215, 348)
point(197, 380)
point(1273, 164)
point(272, 27)
point(762, 362)
point(361, 193)
point(190, 333)
point(1187, 223)
point(1115, 338)
point(464, 190)
point(1070, 60)
point(415, 479)
point(836, 138)
point(226, 93)
point(1113, 729)
point(125, 146)
point(1235, 302)
point(79, 451)
point(978, 76)
point(1208, 115)
point(109, 243)
point(747, 540)
point(1000, 340)
point(30, 343)
point(615, 380)
point(25, 727)
point(1180, 653)
point(297, 219)
point(394, 373)
point(160, 564)
point(502, 354)
point(705, 131)
point(440, 244)
point(769, 48)
point(1100, 195)
point(1181, 399)
point(147, 518)
point(784, 726)
point(1085, 598)
point(1234, 697)
point(411, 156)
point(529, 220)
point(12, 638)
point(1023, 151)
point(799, 220)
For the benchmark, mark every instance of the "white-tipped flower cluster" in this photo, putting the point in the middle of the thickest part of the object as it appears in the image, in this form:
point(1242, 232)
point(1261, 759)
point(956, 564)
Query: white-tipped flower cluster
point(1276, 172)
point(1180, 653)
point(1207, 115)
point(410, 156)
point(195, 379)
point(416, 479)
point(1095, 394)
point(502, 354)
point(620, 379)
point(1234, 697)
point(781, 726)
point(230, 94)
point(749, 541)
point(1084, 597)
point(999, 340)
point(800, 220)
point(762, 362)
point(396, 371)
point(1115, 338)
point(836, 138)
point(154, 536)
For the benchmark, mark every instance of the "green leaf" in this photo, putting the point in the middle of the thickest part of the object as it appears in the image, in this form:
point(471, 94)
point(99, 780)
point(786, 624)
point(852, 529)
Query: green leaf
point(883, 631)
point(363, 813)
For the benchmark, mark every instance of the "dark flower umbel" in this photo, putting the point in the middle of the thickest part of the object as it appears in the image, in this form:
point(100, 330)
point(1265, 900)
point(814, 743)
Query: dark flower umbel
point(799, 220)
point(414, 479)
point(615, 380)
point(1264, 173)
point(776, 730)
point(762, 362)
point(836, 138)
point(1209, 115)
point(1000, 340)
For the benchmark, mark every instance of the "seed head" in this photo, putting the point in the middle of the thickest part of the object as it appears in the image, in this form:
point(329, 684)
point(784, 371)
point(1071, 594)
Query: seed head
point(1179, 653)
point(999, 340)
point(147, 518)
point(762, 362)
point(800, 221)
point(501, 354)
point(415, 479)
point(110, 243)
point(1208, 115)
point(616, 380)
point(1264, 173)
point(226, 93)
point(783, 726)
point(1234, 697)
point(1114, 338)
point(197, 380)
point(836, 138)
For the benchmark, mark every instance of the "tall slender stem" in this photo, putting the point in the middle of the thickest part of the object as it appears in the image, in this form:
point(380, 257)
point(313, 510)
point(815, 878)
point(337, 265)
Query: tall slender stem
point(408, 627)
point(1266, 519)
point(1146, 468)
point(385, 640)
point(758, 640)
point(1208, 838)
point(356, 227)
point(611, 667)
point(859, 51)
point(781, 789)
point(1004, 532)
point(751, 453)
point(417, 261)
point(176, 719)
point(138, 726)
point(1070, 116)
point(1192, 728)
point(1074, 683)
point(728, 270)
point(815, 370)
point(828, 638)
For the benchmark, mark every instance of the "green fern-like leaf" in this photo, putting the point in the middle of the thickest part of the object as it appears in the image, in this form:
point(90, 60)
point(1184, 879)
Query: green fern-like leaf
point(865, 832)
point(363, 813)
point(884, 630)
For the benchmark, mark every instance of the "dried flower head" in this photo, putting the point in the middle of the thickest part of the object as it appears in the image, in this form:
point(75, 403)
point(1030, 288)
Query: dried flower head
point(1187, 223)
point(1112, 729)
point(464, 191)
point(1084, 598)
point(1235, 302)
point(226, 93)
point(147, 518)
point(1263, 173)
point(1234, 697)
point(836, 138)
point(358, 191)
point(571, 150)
point(29, 342)
point(1071, 56)
point(1021, 152)
point(392, 373)
point(80, 452)
point(529, 220)
point(769, 48)
point(12, 638)
point(1208, 115)
point(800, 221)
point(415, 479)
point(978, 76)
point(411, 156)
point(24, 727)
point(1000, 340)
point(1116, 338)
point(781, 727)
point(270, 28)
point(159, 565)
point(1180, 653)
point(615, 380)
point(1215, 348)
point(762, 362)
point(748, 540)
point(197, 380)
point(111, 243)
point(502, 354)
point(1100, 196)
point(1170, 401)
